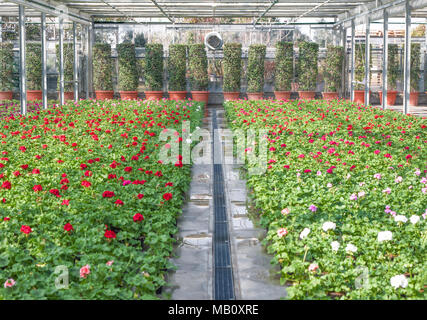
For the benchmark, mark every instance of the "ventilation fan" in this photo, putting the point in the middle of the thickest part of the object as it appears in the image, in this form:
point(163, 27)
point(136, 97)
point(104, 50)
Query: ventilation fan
point(213, 41)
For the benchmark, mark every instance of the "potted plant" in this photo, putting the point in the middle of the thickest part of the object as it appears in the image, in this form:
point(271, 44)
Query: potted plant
point(6, 71)
point(307, 69)
point(102, 71)
point(392, 74)
point(256, 57)
point(198, 70)
point(68, 70)
point(128, 72)
point(177, 68)
point(359, 72)
point(153, 71)
point(333, 71)
point(414, 73)
point(232, 65)
point(34, 71)
point(284, 70)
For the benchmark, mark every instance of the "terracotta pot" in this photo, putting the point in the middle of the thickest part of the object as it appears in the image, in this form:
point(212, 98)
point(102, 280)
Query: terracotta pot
point(128, 95)
point(255, 95)
point(359, 96)
point(153, 95)
point(69, 95)
point(330, 95)
point(231, 95)
point(282, 95)
point(34, 95)
point(413, 98)
point(391, 97)
point(5, 95)
point(308, 95)
point(104, 94)
point(177, 95)
point(202, 96)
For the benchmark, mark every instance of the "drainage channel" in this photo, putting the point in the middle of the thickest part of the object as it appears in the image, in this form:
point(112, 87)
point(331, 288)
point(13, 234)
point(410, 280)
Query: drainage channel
point(223, 271)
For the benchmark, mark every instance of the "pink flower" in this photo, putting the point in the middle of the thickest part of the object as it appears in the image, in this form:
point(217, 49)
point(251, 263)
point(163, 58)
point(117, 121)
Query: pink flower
point(109, 263)
point(9, 283)
point(398, 179)
point(313, 267)
point(126, 182)
point(84, 271)
point(313, 208)
point(285, 211)
point(387, 190)
point(282, 232)
point(353, 197)
point(377, 176)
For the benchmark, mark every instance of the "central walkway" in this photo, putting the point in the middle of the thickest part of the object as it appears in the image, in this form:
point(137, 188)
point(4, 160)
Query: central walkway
point(218, 253)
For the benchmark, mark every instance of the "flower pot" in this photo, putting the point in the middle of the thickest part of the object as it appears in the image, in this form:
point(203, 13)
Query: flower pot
point(413, 98)
point(153, 95)
point(69, 95)
point(200, 96)
point(282, 95)
point(308, 95)
point(128, 95)
point(359, 96)
point(391, 97)
point(5, 95)
point(34, 95)
point(330, 95)
point(177, 95)
point(231, 95)
point(104, 94)
point(255, 95)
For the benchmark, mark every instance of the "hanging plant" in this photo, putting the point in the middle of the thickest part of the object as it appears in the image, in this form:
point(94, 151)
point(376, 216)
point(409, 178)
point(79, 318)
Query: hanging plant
point(232, 66)
point(6, 67)
point(198, 65)
point(34, 66)
point(68, 66)
point(153, 67)
point(102, 67)
point(128, 72)
point(415, 66)
point(307, 65)
point(256, 58)
point(177, 67)
point(392, 66)
point(284, 68)
point(333, 68)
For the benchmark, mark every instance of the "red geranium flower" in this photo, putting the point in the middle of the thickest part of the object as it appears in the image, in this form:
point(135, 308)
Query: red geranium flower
point(6, 185)
point(37, 188)
point(119, 202)
point(68, 227)
point(138, 217)
point(167, 196)
point(65, 202)
point(86, 184)
point(140, 196)
point(26, 229)
point(108, 194)
point(110, 234)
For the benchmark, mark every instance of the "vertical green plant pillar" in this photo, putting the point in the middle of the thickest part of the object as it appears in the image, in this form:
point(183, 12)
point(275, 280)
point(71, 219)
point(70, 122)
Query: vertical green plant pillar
point(333, 71)
point(128, 72)
point(284, 69)
point(198, 72)
point(256, 58)
point(359, 71)
point(68, 70)
point(415, 73)
point(153, 71)
point(177, 66)
point(6, 71)
point(232, 65)
point(102, 71)
point(34, 71)
point(392, 74)
point(307, 69)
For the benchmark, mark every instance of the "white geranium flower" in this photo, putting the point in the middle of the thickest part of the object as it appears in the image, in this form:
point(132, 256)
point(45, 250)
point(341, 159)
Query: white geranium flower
point(335, 246)
point(189, 141)
point(414, 219)
point(385, 236)
point(328, 225)
point(350, 248)
point(400, 218)
point(399, 281)
point(304, 233)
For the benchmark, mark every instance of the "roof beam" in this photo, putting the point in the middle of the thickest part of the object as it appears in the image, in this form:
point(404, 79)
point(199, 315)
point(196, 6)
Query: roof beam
point(163, 11)
point(265, 12)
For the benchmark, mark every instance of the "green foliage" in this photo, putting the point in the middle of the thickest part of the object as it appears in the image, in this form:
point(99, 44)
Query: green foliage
point(256, 58)
point(198, 67)
point(68, 66)
point(232, 65)
point(392, 66)
point(34, 66)
point(153, 67)
point(307, 65)
point(284, 67)
point(102, 67)
point(177, 66)
point(333, 68)
point(359, 68)
point(6, 66)
point(415, 66)
point(128, 72)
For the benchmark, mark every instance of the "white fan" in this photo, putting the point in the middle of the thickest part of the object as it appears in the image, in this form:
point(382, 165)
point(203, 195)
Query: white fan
point(213, 41)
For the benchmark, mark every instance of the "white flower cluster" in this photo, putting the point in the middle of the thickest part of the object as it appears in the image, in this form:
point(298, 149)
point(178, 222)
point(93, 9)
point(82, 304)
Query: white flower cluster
point(328, 225)
point(385, 236)
point(399, 281)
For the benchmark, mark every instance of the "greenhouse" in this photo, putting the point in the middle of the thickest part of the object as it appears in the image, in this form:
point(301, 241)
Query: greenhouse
point(213, 150)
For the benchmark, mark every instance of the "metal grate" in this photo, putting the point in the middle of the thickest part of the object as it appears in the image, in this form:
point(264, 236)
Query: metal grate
point(223, 271)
